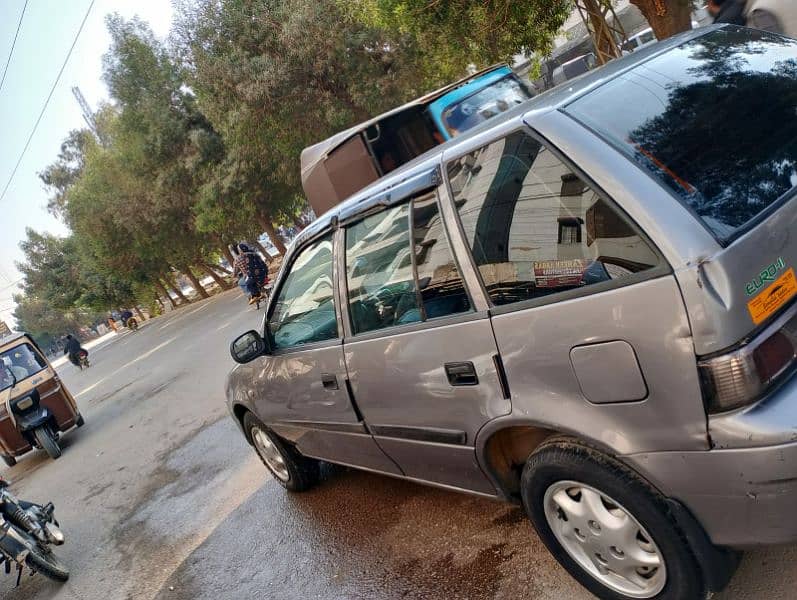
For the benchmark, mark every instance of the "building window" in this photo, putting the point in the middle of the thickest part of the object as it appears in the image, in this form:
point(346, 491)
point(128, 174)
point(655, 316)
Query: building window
point(570, 230)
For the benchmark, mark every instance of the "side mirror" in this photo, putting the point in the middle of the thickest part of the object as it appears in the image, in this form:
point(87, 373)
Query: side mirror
point(247, 347)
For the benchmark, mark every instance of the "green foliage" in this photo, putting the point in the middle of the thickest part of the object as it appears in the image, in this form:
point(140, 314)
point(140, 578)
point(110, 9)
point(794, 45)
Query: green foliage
point(456, 33)
point(274, 76)
point(200, 144)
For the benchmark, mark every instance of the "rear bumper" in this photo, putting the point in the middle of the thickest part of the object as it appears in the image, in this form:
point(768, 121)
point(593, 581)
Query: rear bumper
point(742, 498)
point(744, 490)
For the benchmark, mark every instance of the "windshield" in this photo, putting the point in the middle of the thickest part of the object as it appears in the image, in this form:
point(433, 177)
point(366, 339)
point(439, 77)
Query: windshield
point(713, 120)
point(22, 361)
point(484, 104)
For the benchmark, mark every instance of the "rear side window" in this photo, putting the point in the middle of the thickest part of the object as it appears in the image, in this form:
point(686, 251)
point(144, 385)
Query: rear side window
point(535, 229)
point(400, 269)
point(304, 311)
point(713, 120)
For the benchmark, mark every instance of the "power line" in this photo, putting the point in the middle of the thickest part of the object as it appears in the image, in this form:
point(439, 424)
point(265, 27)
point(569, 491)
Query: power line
point(46, 102)
point(12, 284)
point(14, 43)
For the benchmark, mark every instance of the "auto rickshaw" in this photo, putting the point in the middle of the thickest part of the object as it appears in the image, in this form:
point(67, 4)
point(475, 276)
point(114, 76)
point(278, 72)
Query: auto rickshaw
point(35, 406)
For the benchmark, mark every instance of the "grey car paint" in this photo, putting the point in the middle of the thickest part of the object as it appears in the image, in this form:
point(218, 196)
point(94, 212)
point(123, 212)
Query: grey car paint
point(727, 469)
point(399, 381)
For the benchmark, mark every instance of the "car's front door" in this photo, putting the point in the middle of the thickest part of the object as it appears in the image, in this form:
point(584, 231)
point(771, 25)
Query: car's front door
point(422, 362)
point(301, 388)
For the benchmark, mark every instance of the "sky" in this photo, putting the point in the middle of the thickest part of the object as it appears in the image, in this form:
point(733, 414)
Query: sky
point(47, 31)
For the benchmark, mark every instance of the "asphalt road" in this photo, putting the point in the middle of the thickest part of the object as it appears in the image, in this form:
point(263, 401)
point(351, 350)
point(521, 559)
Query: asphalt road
point(160, 497)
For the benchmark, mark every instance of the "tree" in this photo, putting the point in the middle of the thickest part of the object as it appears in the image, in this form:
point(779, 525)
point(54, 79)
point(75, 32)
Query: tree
point(666, 17)
point(456, 33)
point(274, 76)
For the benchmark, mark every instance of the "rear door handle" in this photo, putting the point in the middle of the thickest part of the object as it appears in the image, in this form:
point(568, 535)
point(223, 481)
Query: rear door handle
point(329, 381)
point(461, 373)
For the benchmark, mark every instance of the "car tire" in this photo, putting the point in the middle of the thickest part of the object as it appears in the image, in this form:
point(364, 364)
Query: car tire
point(606, 526)
point(9, 460)
point(293, 471)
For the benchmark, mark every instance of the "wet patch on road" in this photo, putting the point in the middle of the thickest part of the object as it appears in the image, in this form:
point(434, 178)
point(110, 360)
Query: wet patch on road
point(476, 578)
point(363, 536)
point(166, 512)
point(511, 517)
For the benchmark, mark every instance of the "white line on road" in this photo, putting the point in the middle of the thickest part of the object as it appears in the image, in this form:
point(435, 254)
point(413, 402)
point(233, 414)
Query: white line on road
point(188, 314)
point(220, 327)
point(128, 365)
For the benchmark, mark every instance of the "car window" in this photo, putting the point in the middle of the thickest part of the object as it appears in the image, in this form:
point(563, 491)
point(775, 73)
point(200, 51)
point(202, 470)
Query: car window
point(647, 37)
point(535, 228)
point(713, 121)
point(483, 104)
point(395, 278)
point(304, 311)
point(21, 362)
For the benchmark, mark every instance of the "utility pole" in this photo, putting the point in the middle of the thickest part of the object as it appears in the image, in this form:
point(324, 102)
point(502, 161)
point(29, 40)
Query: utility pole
point(605, 29)
point(88, 116)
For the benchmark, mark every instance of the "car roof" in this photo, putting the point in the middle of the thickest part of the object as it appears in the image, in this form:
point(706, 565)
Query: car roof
point(11, 338)
point(553, 99)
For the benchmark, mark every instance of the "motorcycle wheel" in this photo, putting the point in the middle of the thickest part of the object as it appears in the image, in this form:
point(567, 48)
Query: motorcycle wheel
point(47, 563)
point(47, 441)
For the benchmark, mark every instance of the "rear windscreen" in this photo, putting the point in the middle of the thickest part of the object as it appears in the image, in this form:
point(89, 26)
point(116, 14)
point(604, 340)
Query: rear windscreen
point(714, 120)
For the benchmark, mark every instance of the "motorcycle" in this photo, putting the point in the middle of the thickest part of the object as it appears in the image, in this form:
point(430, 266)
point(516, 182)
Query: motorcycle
point(132, 324)
point(27, 531)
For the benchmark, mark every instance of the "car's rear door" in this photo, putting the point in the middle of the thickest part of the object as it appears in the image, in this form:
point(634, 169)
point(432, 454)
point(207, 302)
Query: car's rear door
point(588, 317)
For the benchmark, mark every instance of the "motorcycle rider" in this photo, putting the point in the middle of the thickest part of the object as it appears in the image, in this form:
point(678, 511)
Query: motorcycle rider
point(126, 315)
point(252, 267)
point(73, 349)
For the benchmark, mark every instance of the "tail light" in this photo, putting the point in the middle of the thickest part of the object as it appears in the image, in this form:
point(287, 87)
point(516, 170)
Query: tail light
point(743, 376)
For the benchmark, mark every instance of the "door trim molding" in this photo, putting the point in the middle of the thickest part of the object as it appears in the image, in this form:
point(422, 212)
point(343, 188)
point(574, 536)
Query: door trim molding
point(452, 437)
point(324, 425)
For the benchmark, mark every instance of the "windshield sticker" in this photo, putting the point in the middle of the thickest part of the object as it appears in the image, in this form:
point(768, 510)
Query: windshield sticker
point(765, 276)
point(771, 299)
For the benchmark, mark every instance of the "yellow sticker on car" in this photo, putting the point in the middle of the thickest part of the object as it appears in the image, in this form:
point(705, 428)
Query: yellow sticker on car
point(773, 297)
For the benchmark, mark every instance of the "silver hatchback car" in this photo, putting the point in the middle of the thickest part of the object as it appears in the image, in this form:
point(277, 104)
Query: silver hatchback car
point(587, 306)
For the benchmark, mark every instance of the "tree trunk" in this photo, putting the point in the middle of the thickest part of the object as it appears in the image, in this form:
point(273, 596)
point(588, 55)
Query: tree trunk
point(227, 254)
point(272, 234)
point(219, 269)
point(139, 313)
point(219, 281)
point(263, 251)
point(165, 293)
point(176, 288)
point(666, 17)
point(195, 282)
